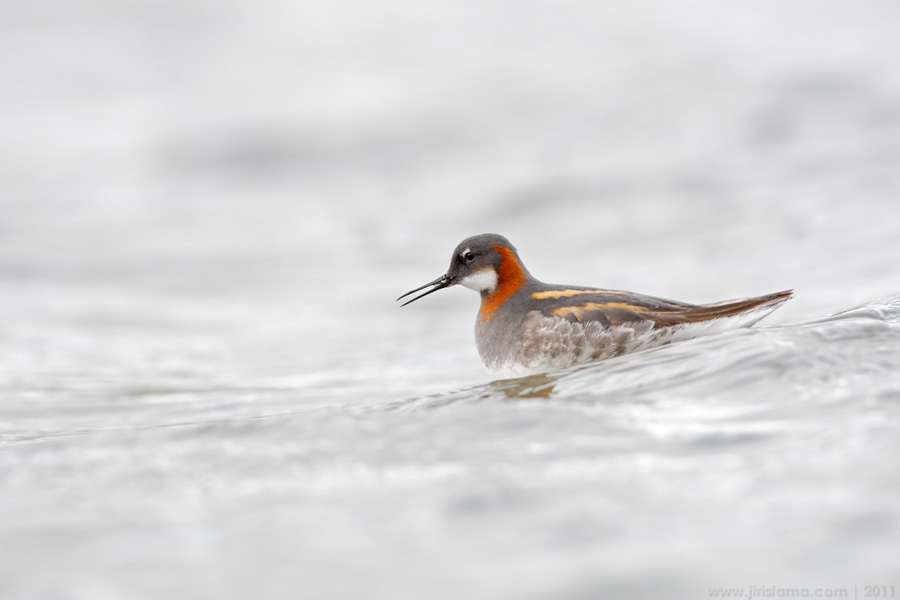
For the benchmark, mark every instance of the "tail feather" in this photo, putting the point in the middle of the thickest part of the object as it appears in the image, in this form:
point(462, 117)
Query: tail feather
point(728, 308)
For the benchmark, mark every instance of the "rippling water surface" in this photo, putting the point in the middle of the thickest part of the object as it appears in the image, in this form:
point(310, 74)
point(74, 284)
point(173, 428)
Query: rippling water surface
point(208, 391)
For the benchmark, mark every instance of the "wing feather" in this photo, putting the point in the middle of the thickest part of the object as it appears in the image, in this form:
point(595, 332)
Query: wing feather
point(621, 308)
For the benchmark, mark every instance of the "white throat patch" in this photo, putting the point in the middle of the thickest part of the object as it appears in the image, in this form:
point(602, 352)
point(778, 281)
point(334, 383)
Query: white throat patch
point(484, 280)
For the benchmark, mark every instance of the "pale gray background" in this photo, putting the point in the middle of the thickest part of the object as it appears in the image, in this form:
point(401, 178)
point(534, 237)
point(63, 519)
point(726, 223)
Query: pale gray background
point(207, 209)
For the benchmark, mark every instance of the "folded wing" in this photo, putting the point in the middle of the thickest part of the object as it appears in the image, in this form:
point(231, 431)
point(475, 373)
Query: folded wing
point(622, 308)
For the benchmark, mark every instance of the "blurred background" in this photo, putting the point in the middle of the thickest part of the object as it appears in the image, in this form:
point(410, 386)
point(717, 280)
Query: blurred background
point(208, 208)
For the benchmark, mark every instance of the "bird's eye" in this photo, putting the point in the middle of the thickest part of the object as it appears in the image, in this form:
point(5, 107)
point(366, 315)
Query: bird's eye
point(469, 256)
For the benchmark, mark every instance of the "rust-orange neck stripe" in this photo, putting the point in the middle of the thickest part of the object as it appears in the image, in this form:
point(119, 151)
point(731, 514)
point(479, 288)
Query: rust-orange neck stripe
point(510, 279)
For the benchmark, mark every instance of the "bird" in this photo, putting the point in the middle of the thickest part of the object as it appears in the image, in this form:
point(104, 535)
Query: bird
point(526, 327)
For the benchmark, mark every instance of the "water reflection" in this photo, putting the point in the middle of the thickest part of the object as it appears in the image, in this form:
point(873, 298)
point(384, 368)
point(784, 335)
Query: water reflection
point(533, 386)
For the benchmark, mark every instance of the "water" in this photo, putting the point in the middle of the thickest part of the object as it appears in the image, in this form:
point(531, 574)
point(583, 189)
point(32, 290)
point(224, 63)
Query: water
point(208, 210)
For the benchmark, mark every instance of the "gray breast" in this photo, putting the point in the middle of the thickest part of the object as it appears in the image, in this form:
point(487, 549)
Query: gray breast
point(537, 343)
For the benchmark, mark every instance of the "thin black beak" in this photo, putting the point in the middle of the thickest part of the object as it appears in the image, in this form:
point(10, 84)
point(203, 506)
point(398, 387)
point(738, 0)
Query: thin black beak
point(439, 284)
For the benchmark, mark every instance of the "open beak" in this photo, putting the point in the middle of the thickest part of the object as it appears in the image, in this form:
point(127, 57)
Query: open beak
point(439, 284)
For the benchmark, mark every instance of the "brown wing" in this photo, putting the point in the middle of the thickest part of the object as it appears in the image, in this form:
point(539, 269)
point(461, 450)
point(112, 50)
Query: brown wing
point(619, 308)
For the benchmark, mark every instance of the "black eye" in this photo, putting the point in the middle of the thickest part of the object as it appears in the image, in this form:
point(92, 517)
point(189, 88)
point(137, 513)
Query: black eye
point(469, 256)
